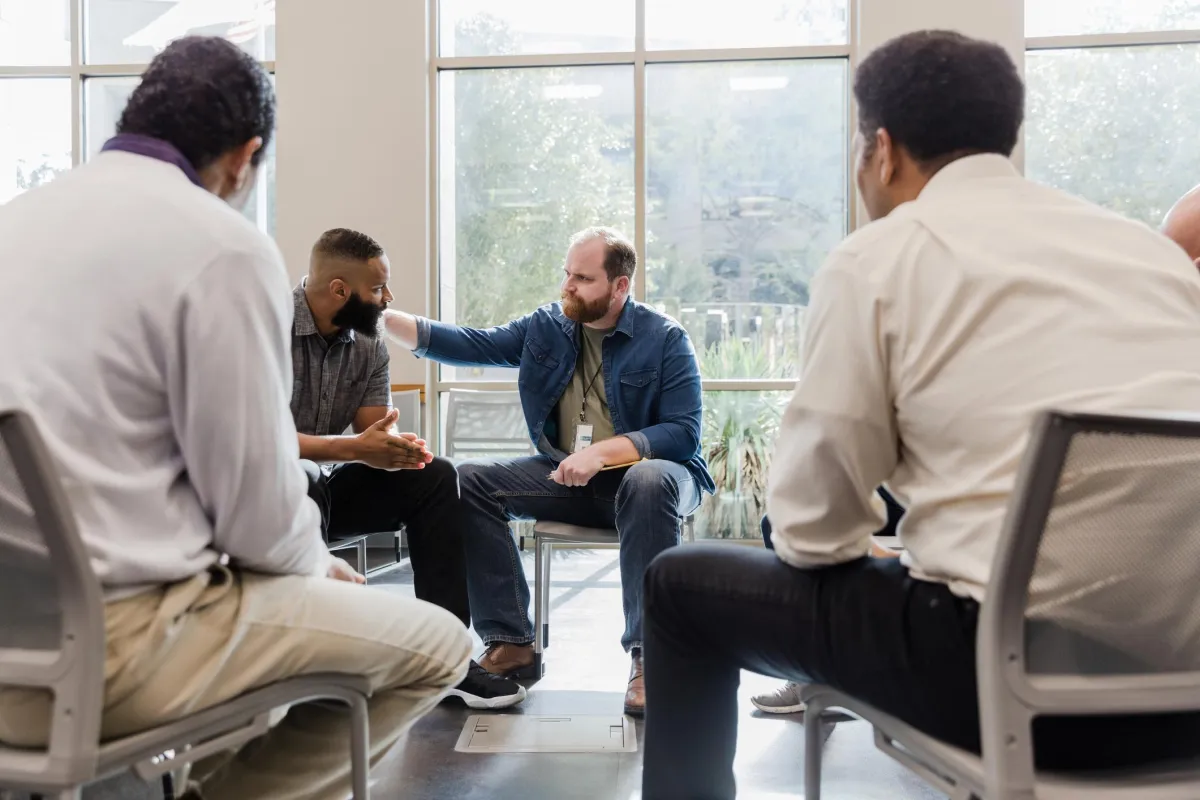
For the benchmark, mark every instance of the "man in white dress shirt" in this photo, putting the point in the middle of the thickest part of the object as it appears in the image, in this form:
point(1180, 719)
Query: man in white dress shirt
point(162, 391)
point(935, 334)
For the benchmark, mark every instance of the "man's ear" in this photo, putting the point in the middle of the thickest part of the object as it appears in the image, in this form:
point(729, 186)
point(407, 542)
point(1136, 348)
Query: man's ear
point(244, 157)
point(623, 284)
point(887, 156)
point(339, 289)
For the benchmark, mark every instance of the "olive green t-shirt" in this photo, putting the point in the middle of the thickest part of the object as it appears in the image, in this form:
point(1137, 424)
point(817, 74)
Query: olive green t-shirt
point(588, 376)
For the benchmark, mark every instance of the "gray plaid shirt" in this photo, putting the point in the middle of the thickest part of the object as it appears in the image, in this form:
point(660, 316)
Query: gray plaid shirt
point(333, 378)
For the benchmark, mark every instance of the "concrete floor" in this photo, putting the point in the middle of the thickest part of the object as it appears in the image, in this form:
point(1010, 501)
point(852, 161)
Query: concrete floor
point(586, 673)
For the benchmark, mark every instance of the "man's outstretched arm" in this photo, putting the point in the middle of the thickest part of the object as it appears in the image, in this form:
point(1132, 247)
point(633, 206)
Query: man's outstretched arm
point(500, 346)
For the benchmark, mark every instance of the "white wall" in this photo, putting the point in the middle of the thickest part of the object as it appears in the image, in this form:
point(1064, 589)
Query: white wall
point(352, 81)
point(1000, 21)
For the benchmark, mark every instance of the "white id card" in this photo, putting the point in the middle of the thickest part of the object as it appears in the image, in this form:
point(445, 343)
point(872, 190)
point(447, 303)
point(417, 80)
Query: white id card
point(583, 437)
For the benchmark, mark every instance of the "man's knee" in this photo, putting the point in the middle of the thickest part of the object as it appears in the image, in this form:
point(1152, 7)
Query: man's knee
point(445, 650)
point(476, 477)
point(650, 482)
point(443, 471)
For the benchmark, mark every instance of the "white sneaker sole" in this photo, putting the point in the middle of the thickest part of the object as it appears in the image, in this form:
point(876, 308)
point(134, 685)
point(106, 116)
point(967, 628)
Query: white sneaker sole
point(766, 709)
point(503, 701)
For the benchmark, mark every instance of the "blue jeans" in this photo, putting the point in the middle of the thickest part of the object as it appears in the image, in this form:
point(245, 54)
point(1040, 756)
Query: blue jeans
point(646, 503)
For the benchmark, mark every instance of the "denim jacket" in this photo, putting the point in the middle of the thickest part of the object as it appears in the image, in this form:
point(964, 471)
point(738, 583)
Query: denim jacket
point(651, 376)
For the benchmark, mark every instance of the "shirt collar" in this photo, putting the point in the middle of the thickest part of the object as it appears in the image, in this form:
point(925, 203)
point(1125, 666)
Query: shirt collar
point(157, 149)
point(967, 170)
point(303, 323)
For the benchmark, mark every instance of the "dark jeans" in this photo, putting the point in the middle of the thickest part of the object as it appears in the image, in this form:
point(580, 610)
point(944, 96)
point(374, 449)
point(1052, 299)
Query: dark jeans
point(867, 628)
point(645, 503)
point(356, 499)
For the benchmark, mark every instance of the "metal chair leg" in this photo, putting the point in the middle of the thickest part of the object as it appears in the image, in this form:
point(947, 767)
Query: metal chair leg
point(360, 555)
point(360, 749)
point(812, 749)
point(539, 580)
point(547, 559)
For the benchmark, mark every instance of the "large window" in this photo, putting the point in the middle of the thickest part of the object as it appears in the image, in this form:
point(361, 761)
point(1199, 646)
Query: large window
point(715, 135)
point(67, 68)
point(1112, 114)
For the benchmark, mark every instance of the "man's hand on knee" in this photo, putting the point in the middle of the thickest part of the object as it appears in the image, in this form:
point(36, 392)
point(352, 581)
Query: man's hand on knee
point(579, 469)
point(339, 570)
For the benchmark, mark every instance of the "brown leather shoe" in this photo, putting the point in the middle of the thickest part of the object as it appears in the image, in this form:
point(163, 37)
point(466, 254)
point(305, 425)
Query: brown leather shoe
point(635, 695)
point(509, 660)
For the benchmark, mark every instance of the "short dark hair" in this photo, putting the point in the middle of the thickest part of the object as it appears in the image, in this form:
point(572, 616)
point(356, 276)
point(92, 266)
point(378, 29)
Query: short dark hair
point(204, 96)
point(941, 95)
point(620, 257)
point(347, 244)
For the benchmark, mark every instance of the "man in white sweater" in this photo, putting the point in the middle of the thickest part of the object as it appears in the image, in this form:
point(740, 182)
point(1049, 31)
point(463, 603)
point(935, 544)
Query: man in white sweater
point(973, 301)
point(163, 397)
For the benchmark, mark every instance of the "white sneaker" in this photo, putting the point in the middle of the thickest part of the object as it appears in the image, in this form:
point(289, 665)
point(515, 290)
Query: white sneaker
point(784, 700)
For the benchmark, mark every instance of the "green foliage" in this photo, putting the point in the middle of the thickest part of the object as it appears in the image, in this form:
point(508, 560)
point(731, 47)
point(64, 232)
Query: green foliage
point(528, 172)
point(738, 437)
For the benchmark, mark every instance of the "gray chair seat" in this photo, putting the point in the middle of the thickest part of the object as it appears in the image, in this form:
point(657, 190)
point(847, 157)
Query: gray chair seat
point(959, 773)
point(560, 532)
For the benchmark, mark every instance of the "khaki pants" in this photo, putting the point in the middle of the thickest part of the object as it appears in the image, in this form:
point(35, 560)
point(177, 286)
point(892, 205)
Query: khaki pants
point(192, 645)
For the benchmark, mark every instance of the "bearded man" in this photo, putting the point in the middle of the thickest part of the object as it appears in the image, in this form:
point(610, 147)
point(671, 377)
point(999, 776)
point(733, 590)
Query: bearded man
point(610, 390)
point(374, 479)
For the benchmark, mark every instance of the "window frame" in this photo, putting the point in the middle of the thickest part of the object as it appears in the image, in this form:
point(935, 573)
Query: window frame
point(79, 72)
point(1097, 41)
point(639, 58)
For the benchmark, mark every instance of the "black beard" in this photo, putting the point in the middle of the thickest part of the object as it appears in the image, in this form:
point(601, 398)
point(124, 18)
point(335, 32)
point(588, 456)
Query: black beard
point(359, 316)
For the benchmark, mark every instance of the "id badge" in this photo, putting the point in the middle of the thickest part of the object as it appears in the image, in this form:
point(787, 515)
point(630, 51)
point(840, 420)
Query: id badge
point(583, 437)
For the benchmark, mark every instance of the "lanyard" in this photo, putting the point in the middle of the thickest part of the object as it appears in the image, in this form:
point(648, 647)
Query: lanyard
point(587, 388)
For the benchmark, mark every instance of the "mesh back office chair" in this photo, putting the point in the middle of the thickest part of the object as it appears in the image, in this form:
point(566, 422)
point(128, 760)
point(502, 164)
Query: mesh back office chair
point(408, 420)
point(486, 425)
point(1092, 608)
point(52, 639)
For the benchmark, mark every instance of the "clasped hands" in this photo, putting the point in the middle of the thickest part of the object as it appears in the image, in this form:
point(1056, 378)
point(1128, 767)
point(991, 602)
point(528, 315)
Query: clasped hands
point(379, 447)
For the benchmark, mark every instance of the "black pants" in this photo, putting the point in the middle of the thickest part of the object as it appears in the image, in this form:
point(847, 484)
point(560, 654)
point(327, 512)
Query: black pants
point(356, 499)
point(867, 628)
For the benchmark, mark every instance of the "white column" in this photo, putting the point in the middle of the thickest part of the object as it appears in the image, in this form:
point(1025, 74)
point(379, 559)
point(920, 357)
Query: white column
point(352, 80)
point(1000, 21)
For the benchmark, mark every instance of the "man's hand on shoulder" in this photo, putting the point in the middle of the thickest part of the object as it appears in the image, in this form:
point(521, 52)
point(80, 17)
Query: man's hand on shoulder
point(378, 447)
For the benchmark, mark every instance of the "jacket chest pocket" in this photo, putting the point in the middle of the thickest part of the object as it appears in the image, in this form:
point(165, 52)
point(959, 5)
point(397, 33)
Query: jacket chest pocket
point(539, 354)
point(639, 379)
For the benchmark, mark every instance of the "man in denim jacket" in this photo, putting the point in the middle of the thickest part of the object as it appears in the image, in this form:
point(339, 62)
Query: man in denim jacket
point(605, 383)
